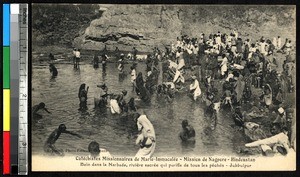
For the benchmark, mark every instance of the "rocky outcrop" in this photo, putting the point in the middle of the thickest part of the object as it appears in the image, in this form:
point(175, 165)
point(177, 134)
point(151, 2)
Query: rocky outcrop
point(149, 26)
point(60, 24)
point(126, 26)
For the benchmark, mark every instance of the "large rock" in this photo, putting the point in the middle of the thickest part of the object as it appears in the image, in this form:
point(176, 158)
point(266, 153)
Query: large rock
point(147, 26)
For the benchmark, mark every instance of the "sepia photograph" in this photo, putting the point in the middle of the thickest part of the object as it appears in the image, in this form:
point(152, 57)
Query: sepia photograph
point(162, 87)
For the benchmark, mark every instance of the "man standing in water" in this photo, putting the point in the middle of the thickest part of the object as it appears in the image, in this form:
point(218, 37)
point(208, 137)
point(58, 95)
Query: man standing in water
point(77, 58)
point(49, 146)
point(74, 57)
point(134, 52)
point(146, 139)
point(104, 59)
point(101, 98)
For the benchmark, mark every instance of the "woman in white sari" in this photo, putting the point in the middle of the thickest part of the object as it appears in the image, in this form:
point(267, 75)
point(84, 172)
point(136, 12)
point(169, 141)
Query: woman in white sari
point(195, 88)
point(146, 139)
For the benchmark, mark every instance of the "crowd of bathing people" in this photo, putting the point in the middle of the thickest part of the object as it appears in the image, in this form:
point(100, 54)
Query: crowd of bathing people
point(251, 79)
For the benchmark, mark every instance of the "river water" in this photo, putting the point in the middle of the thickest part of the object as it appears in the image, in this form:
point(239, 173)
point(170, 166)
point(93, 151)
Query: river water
point(115, 133)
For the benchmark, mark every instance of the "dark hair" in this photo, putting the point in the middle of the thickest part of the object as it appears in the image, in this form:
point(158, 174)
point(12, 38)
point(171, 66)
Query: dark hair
point(284, 129)
point(42, 104)
point(282, 150)
point(124, 92)
point(82, 87)
point(136, 116)
point(94, 148)
point(184, 123)
point(62, 127)
point(131, 104)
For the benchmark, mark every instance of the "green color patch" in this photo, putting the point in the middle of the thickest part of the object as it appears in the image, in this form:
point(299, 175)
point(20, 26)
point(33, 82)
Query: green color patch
point(6, 67)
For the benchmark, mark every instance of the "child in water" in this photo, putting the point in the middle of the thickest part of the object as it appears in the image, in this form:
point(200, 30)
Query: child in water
point(36, 108)
point(95, 150)
point(188, 132)
point(49, 146)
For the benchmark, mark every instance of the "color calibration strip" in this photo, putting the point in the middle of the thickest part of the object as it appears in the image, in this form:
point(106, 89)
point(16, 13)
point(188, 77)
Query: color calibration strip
point(6, 89)
point(15, 89)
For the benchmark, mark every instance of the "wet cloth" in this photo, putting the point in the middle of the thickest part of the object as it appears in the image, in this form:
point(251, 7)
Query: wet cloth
point(229, 76)
point(147, 137)
point(114, 107)
point(280, 138)
point(268, 97)
point(172, 64)
point(178, 77)
point(196, 89)
point(181, 63)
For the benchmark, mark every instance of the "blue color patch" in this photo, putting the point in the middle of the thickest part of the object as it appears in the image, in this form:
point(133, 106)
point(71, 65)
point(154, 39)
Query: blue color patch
point(6, 24)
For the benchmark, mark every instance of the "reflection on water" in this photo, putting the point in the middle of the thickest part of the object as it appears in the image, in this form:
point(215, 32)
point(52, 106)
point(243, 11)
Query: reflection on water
point(117, 133)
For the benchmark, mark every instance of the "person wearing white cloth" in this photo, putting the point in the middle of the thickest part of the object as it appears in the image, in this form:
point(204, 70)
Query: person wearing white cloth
point(195, 88)
point(251, 50)
point(274, 42)
point(178, 77)
point(280, 140)
point(114, 106)
point(262, 47)
point(77, 58)
point(179, 56)
point(224, 65)
point(133, 76)
point(146, 139)
point(279, 45)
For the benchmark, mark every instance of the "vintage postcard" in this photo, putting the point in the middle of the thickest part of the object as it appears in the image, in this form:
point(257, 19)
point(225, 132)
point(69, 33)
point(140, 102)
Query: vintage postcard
point(163, 87)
